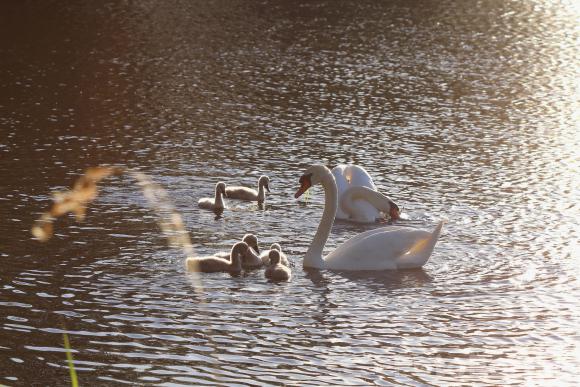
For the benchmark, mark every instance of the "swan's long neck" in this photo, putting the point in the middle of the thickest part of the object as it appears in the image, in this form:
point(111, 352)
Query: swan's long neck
point(261, 193)
point(313, 256)
point(218, 200)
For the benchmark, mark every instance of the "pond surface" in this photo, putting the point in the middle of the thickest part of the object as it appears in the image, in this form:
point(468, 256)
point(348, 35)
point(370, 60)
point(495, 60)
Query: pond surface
point(465, 111)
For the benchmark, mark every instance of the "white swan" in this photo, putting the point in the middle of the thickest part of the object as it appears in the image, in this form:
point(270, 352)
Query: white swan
point(218, 264)
point(250, 259)
point(276, 271)
point(384, 248)
point(358, 198)
point(216, 203)
point(265, 255)
point(245, 193)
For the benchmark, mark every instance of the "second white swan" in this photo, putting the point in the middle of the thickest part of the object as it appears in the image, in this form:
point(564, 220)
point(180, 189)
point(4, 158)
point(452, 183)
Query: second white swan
point(358, 198)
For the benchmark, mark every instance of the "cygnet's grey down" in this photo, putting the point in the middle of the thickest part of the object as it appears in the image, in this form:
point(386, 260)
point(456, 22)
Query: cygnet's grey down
point(216, 203)
point(251, 259)
point(212, 264)
point(275, 270)
point(265, 255)
point(250, 194)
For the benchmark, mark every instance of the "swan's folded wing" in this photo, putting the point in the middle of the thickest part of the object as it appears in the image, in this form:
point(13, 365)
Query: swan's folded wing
point(359, 177)
point(377, 249)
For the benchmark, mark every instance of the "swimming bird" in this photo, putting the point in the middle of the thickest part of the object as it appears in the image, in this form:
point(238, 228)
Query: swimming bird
point(218, 264)
point(250, 194)
point(265, 255)
point(217, 203)
point(393, 247)
point(358, 198)
point(251, 258)
point(275, 270)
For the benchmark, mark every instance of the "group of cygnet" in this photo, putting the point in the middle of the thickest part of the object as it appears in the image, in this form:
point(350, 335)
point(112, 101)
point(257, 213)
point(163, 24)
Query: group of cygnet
point(217, 203)
point(245, 254)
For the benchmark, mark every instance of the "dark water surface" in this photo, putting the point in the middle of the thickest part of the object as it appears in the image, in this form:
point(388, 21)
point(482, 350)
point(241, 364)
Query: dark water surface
point(466, 111)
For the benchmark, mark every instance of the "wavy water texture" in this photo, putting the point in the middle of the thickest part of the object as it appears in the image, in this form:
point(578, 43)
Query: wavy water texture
point(465, 111)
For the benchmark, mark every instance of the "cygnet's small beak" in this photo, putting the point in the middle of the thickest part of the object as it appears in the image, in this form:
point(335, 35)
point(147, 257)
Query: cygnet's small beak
point(257, 249)
point(267, 186)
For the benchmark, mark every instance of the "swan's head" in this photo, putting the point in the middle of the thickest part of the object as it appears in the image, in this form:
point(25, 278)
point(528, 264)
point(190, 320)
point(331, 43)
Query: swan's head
point(276, 246)
point(238, 251)
point(274, 257)
point(265, 182)
point(312, 176)
point(252, 241)
point(220, 188)
point(394, 211)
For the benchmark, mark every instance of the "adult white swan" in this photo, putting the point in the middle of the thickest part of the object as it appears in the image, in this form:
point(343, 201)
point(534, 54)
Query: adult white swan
point(393, 247)
point(358, 198)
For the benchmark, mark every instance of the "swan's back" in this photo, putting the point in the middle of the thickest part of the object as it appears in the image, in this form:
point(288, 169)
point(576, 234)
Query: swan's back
point(206, 203)
point(209, 264)
point(386, 248)
point(242, 193)
point(358, 177)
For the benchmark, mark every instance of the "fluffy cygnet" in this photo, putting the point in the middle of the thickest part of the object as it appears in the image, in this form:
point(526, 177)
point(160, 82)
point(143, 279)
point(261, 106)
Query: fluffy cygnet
point(265, 256)
point(250, 194)
point(251, 259)
point(217, 202)
point(218, 264)
point(276, 271)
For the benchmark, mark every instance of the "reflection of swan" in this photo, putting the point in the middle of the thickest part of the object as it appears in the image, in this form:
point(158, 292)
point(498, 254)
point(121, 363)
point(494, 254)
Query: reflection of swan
point(276, 271)
point(217, 203)
point(218, 264)
point(384, 248)
point(358, 198)
point(265, 256)
point(244, 193)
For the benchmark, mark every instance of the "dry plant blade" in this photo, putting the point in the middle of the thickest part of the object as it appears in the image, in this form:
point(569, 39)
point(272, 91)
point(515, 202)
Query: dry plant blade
point(85, 191)
point(75, 200)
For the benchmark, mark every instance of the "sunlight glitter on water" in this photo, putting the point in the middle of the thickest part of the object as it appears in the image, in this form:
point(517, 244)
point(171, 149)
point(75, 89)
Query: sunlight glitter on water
point(459, 112)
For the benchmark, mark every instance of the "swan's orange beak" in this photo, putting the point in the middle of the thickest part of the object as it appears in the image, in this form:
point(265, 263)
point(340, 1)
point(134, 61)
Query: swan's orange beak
point(305, 183)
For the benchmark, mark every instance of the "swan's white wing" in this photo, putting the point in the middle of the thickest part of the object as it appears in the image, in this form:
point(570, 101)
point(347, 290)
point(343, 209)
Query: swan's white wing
point(339, 177)
point(378, 249)
point(341, 185)
point(358, 177)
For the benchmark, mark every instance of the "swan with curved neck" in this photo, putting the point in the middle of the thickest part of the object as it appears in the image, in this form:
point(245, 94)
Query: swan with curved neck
point(216, 203)
point(213, 264)
point(358, 198)
point(386, 248)
point(249, 194)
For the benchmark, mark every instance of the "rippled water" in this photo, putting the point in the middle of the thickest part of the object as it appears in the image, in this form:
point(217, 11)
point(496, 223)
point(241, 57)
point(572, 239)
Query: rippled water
point(466, 111)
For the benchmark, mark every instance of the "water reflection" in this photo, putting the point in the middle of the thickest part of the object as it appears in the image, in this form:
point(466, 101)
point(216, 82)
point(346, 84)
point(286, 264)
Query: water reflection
point(462, 111)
